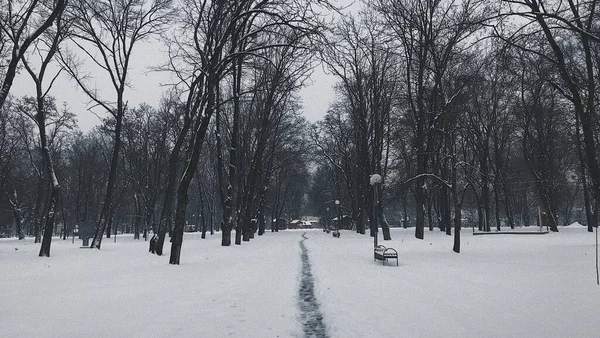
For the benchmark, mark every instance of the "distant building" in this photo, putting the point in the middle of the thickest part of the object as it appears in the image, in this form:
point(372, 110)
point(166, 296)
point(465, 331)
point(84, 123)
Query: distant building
point(315, 221)
point(295, 224)
point(308, 222)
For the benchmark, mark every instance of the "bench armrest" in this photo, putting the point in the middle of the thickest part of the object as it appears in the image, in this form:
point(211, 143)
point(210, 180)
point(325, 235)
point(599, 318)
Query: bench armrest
point(391, 250)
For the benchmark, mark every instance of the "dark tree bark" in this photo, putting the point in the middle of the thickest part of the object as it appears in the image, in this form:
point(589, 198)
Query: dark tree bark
point(457, 203)
point(228, 211)
point(188, 174)
point(166, 220)
point(54, 193)
point(15, 208)
point(584, 181)
point(42, 109)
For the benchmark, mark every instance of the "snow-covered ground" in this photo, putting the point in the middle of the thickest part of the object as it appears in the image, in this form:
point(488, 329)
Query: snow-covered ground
point(498, 286)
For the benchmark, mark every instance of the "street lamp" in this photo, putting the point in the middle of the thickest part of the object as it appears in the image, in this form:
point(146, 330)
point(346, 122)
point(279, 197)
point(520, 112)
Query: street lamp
point(375, 181)
point(326, 229)
point(337, 204)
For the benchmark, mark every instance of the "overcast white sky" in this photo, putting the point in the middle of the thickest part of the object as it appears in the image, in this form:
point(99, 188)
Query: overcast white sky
point(148, 86)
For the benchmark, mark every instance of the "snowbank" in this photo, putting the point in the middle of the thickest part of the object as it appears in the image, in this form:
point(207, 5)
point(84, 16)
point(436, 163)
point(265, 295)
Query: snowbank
point(498, 286)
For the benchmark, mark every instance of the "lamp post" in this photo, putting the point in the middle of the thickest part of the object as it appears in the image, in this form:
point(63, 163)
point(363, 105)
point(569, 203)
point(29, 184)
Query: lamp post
point(375, 181)
point(326, 220)
point(337, 204)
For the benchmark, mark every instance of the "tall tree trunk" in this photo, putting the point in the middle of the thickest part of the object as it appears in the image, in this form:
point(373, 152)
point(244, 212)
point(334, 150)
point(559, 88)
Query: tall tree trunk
point(204, 226)
point(201, 211)
point(589, 213)
point(551, 216)
point(166, 217)
point(50, 216)
point(273, 217)
point(260, 214)
point(107, 207)
point(238, 232)
point(457, 204)
point(430, 212)
point(485, 192)
point(182, 191)
point(446, 191)
point(38, 215)
point(371, 210)
point(16, 211)
point(525, 207)
point(385, 226)
point(18, 222)
point(261, 223)
point(583, 173)
point(177, 233)
point(446, 215)
point(480, 216)
point(228, 212)
point(64, 217)
point(508, 205)
point(497, 207)
point(420, 200)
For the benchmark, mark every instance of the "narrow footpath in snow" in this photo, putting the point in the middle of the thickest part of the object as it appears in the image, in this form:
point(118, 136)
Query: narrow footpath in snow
point(312, 319)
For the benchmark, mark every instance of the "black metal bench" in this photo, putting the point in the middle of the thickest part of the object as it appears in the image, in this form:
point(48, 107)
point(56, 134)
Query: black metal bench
point(383, 254)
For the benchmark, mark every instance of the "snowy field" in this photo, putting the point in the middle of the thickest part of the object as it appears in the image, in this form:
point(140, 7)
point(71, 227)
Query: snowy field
point(498, 286)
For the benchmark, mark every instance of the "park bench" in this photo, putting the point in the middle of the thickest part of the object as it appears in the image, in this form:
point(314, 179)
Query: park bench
point(383, 254)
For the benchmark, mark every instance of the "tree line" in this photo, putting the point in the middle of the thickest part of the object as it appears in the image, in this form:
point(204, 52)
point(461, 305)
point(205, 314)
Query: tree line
point(472, 111)
point(227, 143)
point(478, 113)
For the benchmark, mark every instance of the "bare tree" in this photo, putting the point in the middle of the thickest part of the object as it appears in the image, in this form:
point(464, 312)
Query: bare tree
point(46, 49)
point(277, 75)
point(569, 31)
point(145, 136)
point(205, 35)
point(113, 29)
point(84, 171)
point(21, 23)
point(11, 153)
point(171, 107)
point(211, 45)
point(430, 33)
point(545, 135)
point(366, 64)
point(333, 141)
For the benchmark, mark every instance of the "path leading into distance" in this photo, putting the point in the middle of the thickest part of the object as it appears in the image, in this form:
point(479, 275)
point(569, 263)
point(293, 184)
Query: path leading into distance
point(312, 319)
